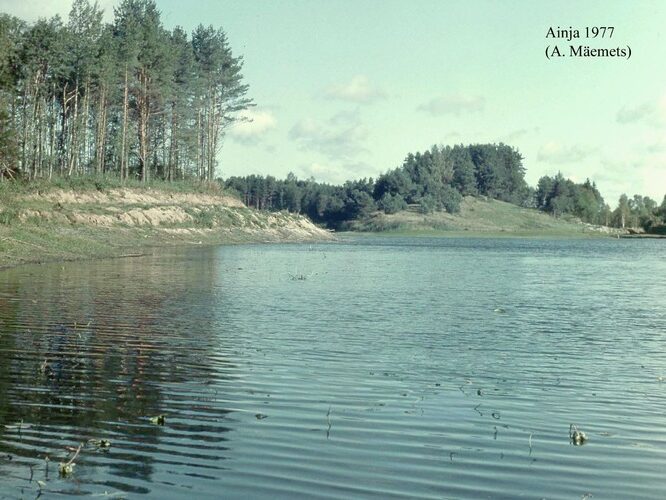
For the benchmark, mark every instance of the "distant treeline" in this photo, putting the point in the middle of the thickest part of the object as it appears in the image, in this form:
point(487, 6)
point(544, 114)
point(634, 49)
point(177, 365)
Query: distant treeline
point(323, 203)
point(437, 180)
point(434, 180)
point(559, 196)
point(129, 98)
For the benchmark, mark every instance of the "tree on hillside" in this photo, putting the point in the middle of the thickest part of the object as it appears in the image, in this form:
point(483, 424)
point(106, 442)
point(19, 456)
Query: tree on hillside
point(643, 211)
point(394, 182)
point(391, 204)
point(81, 38)
point(661, 211)
point(543, 192)
point(560, 196)
point(41, 141)
point(143, 43)
point(182, 136)
point(463, 171)
point(622, 213)
point(108, 96)
point(223, 93)
point(588, 202)
point(11, 32)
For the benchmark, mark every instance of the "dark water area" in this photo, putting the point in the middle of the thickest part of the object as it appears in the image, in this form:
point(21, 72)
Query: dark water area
point(383, 368)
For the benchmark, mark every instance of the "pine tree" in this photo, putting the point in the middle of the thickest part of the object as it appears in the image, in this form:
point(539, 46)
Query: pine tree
point(11, 32)
point(222, 93)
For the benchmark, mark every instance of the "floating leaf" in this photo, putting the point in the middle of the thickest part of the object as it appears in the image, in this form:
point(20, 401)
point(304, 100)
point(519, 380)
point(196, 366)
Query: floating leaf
point(577, 437)
point(17, 426)
point(100, 443)
point(66, 469)
point(158, 420)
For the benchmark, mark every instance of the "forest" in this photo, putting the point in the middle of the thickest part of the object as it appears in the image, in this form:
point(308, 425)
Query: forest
point(434, 180)
point(129, 98)
point(437, 180)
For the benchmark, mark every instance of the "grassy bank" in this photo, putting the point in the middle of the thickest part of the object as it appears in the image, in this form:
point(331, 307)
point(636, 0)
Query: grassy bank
point(97, 218)
point(480, 217)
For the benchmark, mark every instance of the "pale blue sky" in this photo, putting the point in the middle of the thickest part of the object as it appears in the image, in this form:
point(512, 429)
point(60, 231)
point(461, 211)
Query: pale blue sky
point(346, 88)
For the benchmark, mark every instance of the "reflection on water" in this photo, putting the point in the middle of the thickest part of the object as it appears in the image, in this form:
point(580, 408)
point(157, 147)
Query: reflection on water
point(92, 351)
point(398, 368)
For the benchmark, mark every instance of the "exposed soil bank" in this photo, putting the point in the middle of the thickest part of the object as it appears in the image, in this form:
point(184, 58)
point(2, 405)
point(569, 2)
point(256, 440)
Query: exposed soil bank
point(63, 224)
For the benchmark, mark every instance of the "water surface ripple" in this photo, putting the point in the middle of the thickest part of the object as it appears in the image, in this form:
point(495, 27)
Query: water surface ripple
point(397, 368)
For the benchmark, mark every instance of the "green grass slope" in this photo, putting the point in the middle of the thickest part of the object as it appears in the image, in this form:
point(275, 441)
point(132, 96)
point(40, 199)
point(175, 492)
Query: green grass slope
point(480, 217)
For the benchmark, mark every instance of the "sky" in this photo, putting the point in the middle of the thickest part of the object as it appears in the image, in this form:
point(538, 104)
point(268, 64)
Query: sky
point(345, 89)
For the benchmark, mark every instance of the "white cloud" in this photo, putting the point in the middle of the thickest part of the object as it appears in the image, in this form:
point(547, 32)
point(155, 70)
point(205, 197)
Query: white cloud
point(336, 174)
point(358, 90)
point(516, 135)
point(31, 10)
point(652, 113)
point(632, 175)
point(634, 114)
point(341, 136)
point(656, 146)
point(253, 125)
point(454, 104)
point(553, 152)
point(452, 135)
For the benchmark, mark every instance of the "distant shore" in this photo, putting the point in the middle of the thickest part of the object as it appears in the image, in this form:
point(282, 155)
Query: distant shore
point(50, 222)
point(644, 236)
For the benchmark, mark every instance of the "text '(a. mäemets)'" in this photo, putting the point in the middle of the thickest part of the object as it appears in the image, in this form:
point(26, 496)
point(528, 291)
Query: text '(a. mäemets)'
point(597, 43)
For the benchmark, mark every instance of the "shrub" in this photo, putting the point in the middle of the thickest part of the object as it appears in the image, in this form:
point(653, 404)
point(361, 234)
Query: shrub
point(392, 204)
point(450, 199)
point(205, 218)
point(427, 204)
point(8, 215)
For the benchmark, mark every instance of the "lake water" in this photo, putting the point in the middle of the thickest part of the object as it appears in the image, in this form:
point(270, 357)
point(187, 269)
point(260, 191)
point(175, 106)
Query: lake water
point(396, 367)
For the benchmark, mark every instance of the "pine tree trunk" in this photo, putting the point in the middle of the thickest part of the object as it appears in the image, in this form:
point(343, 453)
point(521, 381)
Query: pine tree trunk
point(40, 138)
point(123, 147)
point(173, 144)
point(144, 104)
point(62, 141)
point(24, 141)
point(165, 151)
point(54, 125)
point(33, 128)
point(84, 161)
point(74, 132)
point(100, 139)
point(200, 143)
point(212, 119)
